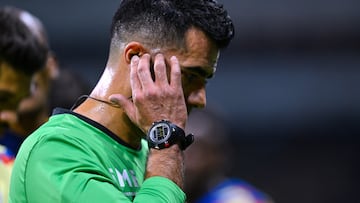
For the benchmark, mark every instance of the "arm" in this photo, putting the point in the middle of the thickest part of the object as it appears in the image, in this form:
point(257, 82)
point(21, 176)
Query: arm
point(153, 101)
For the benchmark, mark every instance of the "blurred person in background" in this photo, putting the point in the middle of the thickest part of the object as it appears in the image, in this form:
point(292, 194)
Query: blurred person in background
point(50, 87)
point(24, 56)
point(23, 52)
point(208, 178)
point(32, 111)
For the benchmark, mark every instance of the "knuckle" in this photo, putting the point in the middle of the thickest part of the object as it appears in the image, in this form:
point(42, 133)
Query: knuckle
point(138, 97)
point(151, 93)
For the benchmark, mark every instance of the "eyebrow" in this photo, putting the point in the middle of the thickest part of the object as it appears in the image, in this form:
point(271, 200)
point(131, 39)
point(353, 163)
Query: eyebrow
point(199, 71)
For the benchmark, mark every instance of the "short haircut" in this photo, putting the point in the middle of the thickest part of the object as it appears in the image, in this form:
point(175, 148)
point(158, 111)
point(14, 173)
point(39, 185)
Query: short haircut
point(165, 22)
point(19, 46)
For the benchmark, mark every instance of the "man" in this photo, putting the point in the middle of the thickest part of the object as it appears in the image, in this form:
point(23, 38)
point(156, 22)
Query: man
point(162, 52)
point(22, 54)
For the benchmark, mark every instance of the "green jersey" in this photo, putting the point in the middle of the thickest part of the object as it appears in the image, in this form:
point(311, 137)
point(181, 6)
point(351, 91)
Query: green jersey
point(74, 159)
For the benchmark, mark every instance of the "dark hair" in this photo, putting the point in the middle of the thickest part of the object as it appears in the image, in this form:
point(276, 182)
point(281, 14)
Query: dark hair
point(164, 22)
point(20, 47)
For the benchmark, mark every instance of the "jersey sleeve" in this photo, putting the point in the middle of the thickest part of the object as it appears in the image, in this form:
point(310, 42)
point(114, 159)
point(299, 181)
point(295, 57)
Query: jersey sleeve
point(65, 170)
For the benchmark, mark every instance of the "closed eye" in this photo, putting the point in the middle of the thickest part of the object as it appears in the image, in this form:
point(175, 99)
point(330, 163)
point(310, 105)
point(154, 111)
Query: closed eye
point(201, 72)
point(193, 77)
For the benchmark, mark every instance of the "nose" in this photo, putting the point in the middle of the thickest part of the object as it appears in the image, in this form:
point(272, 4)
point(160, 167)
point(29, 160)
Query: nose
point(197, 98)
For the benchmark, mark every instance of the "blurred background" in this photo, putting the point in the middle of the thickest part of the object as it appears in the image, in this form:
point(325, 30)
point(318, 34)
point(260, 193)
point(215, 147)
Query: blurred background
point(287, 87)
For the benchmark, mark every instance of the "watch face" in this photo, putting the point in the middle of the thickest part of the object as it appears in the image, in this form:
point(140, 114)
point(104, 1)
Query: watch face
point(159, 133)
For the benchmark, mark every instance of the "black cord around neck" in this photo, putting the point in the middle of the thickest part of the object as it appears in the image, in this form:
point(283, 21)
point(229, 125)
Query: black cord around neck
point(82, 98)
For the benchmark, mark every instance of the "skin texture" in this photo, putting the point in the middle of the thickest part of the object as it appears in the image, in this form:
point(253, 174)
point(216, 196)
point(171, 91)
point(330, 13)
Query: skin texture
point(179, 86)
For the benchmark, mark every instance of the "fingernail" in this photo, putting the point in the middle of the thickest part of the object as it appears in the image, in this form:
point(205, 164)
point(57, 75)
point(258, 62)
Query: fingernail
point(113, 99)
point(173, 58)
point(134, 59)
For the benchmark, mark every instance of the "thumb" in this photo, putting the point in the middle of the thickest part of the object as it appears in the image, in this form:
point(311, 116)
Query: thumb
point(125, 103)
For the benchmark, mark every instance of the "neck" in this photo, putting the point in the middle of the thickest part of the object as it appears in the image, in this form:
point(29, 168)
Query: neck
point(98, 108)
point(113, 118)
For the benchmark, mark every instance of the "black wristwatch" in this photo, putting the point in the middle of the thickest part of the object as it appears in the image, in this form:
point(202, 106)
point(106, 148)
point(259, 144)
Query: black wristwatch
point(163, 134)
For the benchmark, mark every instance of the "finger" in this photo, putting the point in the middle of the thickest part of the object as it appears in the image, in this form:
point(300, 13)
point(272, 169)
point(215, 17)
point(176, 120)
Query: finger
point(143, 71)
point(175, 79)
point(160, 69)
point(134, 80)
point(124, 102)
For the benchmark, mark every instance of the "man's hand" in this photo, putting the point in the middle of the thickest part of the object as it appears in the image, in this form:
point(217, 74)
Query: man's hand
point(154, 100)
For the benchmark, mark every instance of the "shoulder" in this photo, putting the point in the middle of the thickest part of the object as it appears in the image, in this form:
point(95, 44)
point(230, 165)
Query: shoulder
point(57, 146)
point(60, 134)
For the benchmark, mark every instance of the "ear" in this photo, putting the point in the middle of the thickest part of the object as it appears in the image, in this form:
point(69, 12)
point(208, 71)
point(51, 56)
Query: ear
point(132, 49)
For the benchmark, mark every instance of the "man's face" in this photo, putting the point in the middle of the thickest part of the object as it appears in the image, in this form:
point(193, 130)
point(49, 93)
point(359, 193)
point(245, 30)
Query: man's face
point(14, 86)
point(198, 63)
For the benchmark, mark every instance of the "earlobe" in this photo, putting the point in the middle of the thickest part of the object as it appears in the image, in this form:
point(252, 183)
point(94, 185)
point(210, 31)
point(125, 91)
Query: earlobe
point(132, 49)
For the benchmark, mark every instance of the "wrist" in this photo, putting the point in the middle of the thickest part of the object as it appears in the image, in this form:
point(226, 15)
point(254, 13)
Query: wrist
point(167, 163)
point(163, 134)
